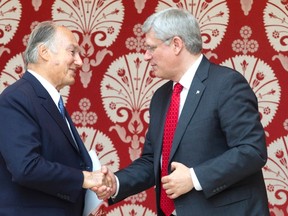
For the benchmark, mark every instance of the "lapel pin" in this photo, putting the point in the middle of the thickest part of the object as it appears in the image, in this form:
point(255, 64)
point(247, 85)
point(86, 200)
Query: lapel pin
point(197, 92)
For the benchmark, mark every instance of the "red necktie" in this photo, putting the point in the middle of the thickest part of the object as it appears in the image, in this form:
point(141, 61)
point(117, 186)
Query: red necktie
point(167, 204)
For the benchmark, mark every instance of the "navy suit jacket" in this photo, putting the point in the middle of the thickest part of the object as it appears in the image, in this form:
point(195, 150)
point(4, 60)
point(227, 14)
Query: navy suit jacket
point(220, 135)
point(40, 167)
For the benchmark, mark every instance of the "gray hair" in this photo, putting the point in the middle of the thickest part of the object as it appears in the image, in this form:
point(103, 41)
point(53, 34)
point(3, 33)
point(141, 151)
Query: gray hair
point(43, 33)
point(173, 22)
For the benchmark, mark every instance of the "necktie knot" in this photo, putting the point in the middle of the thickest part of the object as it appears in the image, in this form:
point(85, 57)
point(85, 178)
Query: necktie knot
point(61, 107)
point(177, 88)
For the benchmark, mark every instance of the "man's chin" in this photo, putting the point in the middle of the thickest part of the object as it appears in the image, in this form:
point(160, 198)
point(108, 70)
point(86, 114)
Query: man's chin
point(157, 74)
point(71, 81)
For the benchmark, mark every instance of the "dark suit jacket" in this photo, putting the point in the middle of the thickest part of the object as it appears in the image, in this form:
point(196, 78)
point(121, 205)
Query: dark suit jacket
point(219, 134)
point(40, 168)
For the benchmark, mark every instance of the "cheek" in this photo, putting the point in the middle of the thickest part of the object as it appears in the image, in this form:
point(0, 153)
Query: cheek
point(57, 62)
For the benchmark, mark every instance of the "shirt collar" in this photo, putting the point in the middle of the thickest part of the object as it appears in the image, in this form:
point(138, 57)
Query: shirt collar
point(188, 76)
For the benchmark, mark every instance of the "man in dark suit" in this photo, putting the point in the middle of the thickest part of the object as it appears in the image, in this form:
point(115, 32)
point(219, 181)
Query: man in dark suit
point(44, 166)
point(219, 146)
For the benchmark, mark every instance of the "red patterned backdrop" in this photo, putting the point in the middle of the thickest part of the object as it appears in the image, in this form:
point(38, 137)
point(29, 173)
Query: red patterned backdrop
point(109, 102)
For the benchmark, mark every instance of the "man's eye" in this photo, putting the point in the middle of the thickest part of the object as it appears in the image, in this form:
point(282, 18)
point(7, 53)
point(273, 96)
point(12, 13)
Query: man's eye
point(150, 48)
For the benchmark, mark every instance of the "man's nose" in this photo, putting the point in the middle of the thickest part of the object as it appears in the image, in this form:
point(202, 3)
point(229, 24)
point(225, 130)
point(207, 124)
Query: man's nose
point(147, 55)
point(78, 61)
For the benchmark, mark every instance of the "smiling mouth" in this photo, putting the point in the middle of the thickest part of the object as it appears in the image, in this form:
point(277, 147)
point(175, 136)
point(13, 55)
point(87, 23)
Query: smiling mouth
point(154, 67)
point(73, 72)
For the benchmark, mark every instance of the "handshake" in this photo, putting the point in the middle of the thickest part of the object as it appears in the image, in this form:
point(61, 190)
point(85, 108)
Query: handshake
point(102, 182)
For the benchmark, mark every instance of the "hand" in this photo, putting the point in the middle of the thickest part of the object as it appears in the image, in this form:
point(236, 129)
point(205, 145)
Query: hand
point(103, 192)
point(178, 182)
point(96, 179)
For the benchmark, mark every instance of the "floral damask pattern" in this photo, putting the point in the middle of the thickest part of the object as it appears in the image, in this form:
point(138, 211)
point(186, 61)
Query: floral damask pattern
point(276, 22)
point(276, 172)
point(245, 44)
point(246, 6)
point(10, 18)
point(13, 71)
point(132, 210)
point(84, 117)
point(126, 90)
point(116, 84)
point(10, 14)
point(137, 42)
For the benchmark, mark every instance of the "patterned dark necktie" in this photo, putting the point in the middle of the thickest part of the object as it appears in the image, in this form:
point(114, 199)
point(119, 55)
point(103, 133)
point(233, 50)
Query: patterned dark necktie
point(62, 111)
point(167, 204)
point(61, 107)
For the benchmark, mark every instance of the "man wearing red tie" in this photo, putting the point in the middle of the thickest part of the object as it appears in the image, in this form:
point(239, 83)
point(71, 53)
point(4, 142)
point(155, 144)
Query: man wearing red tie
point(205, 146)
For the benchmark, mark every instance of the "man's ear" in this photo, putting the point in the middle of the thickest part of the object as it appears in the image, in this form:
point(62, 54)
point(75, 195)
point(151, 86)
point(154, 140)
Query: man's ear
point(44, 52)
point(177, 44)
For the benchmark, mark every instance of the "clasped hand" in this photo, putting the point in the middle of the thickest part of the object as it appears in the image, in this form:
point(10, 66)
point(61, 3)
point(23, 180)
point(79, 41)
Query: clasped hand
point(102, 182)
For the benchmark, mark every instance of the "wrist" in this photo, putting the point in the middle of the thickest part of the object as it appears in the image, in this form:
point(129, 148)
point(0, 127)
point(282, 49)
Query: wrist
point(86, 176)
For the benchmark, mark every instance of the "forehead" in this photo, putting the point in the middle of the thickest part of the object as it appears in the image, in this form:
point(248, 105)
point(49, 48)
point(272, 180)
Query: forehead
point(65, 37)
point(150, 37)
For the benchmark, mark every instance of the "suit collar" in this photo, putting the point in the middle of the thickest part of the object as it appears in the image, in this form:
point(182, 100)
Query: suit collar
point(53, 92)
point(37, 86)
point(203, 69)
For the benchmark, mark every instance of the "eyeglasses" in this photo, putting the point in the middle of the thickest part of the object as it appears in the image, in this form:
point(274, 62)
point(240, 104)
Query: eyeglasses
point(151, 49)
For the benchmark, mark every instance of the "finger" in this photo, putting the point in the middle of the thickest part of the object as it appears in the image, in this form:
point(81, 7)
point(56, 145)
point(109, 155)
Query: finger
point(98, 190)
point(172, 196)
point(104, 169)
point(165, 179)
point(94, 189)
point(109, 180)
point(173, 166)
point(165, 186)
point(104, 195)
point(169, 191)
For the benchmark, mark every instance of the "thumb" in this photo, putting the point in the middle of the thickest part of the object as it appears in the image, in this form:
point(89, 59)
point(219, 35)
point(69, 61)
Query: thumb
point(174, 165)
point(104, 169)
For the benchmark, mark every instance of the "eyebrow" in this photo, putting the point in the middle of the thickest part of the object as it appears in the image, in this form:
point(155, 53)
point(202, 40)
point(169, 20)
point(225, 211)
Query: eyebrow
point(74, 47)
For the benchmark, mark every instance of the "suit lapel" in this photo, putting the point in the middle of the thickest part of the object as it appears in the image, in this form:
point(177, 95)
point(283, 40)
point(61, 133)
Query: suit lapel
point(54, 112)
point(195, 93)
point(163, 104)
point(49, 106)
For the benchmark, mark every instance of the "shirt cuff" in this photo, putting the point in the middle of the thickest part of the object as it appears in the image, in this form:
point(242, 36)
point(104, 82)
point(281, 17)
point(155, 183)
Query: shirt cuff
point(195, 181)
point(117, 188)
